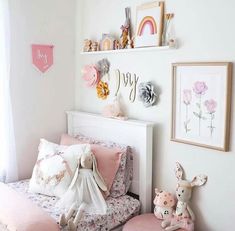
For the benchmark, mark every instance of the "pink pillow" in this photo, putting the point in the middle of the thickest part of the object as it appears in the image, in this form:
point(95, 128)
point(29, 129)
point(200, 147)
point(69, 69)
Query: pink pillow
point(123, 178)
point(108, 159)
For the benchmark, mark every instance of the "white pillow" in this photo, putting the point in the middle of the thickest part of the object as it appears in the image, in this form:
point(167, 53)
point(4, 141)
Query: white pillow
point(55, 166)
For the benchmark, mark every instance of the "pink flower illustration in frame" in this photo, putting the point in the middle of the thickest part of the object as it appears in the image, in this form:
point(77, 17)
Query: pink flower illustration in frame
point(42, 56)
point(200, 88)
point(201, 104)
point(211, 105)
point(211, 109)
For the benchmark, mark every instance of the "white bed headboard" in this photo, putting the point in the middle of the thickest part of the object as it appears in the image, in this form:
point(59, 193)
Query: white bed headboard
point(137, 134)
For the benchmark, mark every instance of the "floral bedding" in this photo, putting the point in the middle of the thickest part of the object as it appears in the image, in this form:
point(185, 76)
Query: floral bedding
point(119, 210)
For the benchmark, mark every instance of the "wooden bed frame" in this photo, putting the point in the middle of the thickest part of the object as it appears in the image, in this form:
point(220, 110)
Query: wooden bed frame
point(135, 133)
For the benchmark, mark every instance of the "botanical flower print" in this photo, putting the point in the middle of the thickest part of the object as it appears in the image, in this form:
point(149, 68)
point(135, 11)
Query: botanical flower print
point(187, 98)
point(199, 89)
point(102, 89)
point(210, 107)
point(207, 107)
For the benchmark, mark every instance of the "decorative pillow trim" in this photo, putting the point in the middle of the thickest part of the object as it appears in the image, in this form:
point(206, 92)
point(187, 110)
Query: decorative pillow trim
point(40, 178)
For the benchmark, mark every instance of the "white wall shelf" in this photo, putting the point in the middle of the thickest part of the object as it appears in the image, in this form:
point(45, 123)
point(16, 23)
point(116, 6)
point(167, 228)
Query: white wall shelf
point(161, 48)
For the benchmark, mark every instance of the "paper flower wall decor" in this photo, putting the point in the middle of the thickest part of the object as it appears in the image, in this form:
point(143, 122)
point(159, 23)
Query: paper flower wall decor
point(103, 67)
point(91, 75)
point(98, 75)
point(102, 89)
point(147, 94)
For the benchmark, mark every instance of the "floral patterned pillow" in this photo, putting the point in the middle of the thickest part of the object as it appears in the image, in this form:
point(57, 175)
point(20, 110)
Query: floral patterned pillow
point(55, 167)
point(124, 175)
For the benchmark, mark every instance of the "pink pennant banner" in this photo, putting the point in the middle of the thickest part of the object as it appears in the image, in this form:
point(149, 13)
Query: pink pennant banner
point(42, 56)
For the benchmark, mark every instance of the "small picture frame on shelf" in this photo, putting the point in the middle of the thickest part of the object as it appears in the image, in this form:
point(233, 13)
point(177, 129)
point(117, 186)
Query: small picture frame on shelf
point(201, 104)
point(149, 24)
point(107, 42)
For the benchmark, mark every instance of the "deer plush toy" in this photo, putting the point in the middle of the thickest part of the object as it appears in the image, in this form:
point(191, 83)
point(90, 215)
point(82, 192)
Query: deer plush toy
point(83, 194)
point(183, 217)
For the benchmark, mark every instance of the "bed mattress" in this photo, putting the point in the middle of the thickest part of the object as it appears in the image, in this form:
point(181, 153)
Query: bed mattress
point(119, 209)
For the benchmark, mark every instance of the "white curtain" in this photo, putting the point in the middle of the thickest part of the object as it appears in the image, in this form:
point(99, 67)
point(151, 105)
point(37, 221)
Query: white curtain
point(8, 162)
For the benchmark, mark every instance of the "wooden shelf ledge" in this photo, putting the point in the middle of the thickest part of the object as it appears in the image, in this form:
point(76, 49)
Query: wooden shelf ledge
point(142, 49)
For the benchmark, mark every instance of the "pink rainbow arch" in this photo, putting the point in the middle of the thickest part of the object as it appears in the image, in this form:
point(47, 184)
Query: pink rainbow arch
point(147, 21)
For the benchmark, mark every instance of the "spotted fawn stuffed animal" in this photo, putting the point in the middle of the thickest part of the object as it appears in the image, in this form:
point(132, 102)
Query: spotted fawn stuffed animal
point(164, 204)
point(183, 217)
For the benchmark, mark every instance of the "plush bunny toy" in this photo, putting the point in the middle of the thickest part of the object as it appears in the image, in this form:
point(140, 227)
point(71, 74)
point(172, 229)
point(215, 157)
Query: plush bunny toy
point(183, 217)
point(83, 194)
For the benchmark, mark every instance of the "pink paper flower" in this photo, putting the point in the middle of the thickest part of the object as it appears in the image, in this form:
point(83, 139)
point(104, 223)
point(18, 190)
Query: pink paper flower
point(91, 75)
point(200, 88)
point(187, 96)
point(210, 105)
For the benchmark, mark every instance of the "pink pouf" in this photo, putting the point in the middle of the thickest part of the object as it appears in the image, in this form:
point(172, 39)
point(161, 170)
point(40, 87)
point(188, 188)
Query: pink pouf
point(145, 222)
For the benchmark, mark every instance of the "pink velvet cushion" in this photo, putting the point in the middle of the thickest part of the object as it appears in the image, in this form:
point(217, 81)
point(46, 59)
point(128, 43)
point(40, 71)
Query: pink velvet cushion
point(145, 222)
point(108, 159)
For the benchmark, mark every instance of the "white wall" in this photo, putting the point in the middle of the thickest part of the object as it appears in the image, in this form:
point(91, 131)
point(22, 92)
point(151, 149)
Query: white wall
point(204, 29)
point(40, 100)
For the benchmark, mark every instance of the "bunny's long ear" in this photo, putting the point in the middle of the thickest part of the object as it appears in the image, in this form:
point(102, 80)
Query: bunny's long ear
point(75, 176)
point(98, 178)
point(199, 180)
point(178, 171)
point(79, 162)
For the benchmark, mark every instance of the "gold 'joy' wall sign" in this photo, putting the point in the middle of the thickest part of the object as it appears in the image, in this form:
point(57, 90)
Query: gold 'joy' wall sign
point(126, 80)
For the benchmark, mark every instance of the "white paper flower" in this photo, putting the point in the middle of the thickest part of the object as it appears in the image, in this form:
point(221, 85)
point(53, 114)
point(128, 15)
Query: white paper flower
point(147, 94)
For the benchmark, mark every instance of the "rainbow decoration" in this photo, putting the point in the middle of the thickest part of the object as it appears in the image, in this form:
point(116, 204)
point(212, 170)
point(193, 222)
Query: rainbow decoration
point(147, 21)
